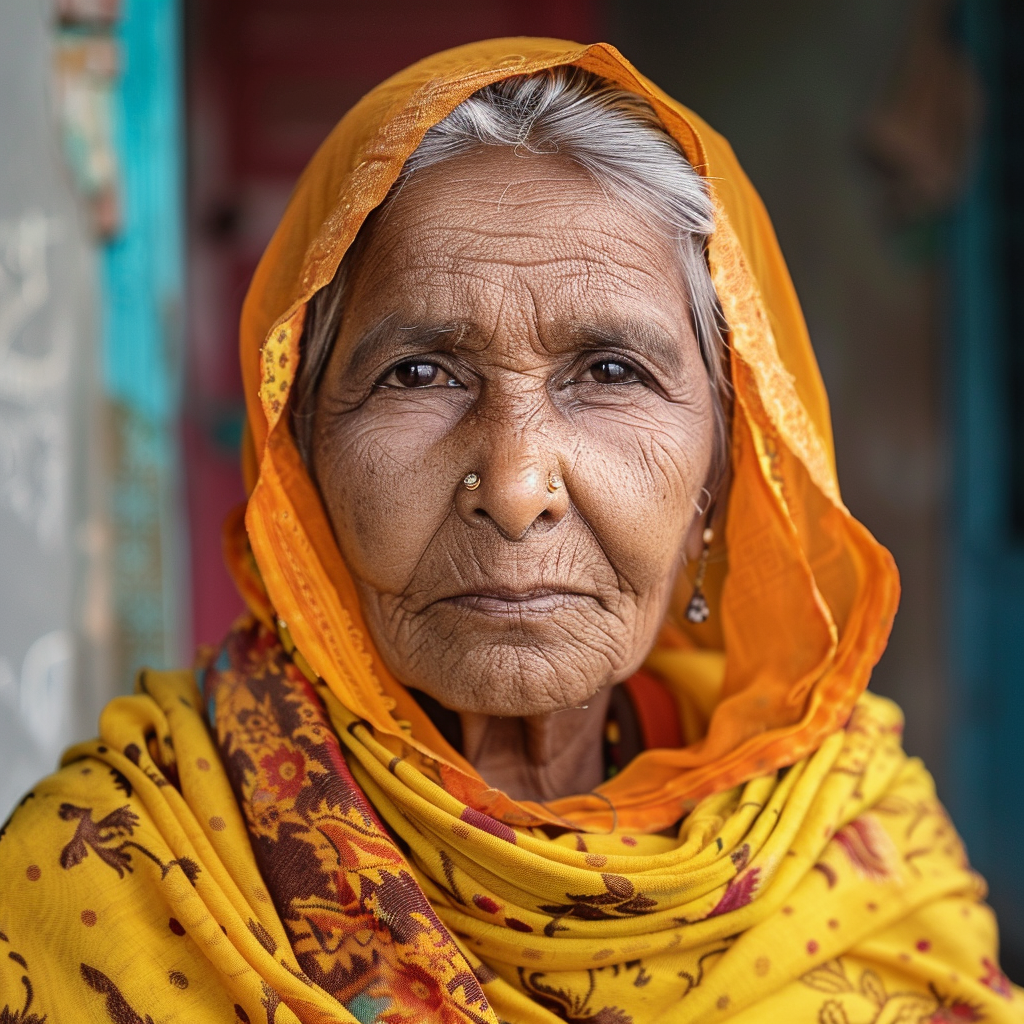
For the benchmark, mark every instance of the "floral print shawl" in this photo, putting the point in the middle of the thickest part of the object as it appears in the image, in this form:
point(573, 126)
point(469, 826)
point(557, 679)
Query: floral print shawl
point(284, 836)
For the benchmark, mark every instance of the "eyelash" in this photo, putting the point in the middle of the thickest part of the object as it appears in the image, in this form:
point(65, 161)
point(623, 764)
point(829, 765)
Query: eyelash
point(450, 382)
point(634, 375)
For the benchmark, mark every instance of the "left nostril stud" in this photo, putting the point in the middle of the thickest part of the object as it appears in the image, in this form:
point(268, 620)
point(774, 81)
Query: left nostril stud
point(554, 482)
point(471, 481)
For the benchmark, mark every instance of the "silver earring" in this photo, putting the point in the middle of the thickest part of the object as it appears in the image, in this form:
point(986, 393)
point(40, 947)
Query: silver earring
point(697, 611)
point(471, 481)
point(701, 511)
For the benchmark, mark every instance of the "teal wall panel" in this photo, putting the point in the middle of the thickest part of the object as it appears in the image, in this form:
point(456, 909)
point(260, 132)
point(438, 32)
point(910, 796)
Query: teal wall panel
point(142, 342)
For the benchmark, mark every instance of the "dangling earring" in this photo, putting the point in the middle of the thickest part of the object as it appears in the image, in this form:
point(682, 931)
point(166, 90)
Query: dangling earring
point(697, 610)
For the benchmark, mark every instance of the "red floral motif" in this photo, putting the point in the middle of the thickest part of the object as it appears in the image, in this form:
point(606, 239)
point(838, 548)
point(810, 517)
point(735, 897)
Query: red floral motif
point(358, 921)
point(739, 893)
point(995, 979)
point(868, 847)
point(417, 996)
point(956, 1012)
point(285, 772)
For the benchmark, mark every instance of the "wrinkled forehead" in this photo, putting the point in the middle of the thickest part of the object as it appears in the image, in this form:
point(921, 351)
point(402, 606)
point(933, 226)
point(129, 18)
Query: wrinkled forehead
point(504, 235)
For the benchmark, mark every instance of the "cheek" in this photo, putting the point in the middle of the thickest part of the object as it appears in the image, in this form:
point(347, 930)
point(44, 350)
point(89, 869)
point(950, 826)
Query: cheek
point(387, 485)
point(634, 484)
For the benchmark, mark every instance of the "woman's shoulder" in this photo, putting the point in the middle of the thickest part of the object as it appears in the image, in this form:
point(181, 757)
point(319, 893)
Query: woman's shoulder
point(100, 862)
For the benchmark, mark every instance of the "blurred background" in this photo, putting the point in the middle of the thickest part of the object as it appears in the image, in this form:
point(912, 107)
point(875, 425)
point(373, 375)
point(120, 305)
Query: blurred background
point(149, 146)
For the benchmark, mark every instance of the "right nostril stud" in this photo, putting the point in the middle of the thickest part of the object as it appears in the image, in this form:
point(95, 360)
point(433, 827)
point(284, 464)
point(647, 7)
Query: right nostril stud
point(471, 481)
point(554, 482)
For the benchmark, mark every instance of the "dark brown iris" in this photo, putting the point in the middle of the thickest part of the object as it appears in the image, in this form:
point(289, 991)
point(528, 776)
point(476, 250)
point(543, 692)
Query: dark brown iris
point(611, 373)
point(416, 375)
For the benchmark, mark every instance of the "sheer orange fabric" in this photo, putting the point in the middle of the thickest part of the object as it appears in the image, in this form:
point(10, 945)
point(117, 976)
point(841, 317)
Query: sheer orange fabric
point(802, 612)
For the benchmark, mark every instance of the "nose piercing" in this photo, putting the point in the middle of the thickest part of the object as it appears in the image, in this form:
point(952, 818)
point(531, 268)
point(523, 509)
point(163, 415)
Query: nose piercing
point(471, 481)
point(554, 482)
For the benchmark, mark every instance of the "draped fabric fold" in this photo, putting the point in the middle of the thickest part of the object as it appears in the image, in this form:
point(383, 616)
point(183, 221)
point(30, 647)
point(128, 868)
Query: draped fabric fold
point(285, 866)
point(285, 836)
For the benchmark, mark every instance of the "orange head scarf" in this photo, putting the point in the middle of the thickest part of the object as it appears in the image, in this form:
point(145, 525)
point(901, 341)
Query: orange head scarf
point(804, 608)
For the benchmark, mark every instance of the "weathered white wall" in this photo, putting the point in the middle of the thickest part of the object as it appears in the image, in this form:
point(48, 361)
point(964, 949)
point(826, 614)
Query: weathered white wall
point(53, 620)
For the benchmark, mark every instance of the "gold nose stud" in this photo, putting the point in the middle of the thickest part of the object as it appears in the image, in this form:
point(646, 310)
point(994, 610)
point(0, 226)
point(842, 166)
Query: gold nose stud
point(554, 482)
point(471, 481)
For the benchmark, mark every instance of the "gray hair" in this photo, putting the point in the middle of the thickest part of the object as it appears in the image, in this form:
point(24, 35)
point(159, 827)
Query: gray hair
point(612, 134)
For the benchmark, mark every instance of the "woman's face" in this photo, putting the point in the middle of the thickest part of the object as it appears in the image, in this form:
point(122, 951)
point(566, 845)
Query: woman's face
point(509, 319)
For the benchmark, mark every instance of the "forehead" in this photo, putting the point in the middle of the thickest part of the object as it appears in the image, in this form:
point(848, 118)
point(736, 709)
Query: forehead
point(538, 224)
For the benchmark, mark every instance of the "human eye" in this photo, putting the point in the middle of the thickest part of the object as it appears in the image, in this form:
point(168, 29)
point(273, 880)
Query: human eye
point(417, 373)
point(610, 371)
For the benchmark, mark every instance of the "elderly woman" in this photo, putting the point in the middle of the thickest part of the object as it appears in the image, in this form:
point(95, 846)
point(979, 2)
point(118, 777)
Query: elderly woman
point(550, 701)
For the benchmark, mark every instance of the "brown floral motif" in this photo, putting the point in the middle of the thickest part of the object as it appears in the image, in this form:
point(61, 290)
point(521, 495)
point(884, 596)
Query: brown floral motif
point(99, 836)
point(620, 899)
point(25, 1015)
point(358, 922)
point(569, 1006)
point(696, 978)
point(919, 1007)
point(118, 1009)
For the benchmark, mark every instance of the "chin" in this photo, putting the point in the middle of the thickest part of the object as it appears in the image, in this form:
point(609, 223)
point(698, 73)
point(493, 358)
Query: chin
point(516, 680)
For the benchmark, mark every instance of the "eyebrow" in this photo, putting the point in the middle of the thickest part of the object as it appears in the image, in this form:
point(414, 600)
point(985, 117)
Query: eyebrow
point(626, 335)
point(394, 337)
point(631, 335)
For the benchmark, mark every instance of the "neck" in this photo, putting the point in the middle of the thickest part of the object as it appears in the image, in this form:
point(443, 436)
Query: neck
point(542, 757)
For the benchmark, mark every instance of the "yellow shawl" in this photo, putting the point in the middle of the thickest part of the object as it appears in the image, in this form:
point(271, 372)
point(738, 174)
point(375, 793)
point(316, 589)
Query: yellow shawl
point(286, 837)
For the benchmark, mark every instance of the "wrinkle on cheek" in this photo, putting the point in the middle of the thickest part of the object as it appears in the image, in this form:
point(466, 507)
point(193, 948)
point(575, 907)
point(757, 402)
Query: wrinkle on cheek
point(390, 465)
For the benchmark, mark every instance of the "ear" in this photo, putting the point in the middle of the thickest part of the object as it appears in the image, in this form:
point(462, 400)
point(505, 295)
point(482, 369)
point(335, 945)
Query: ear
point(713, 506)
point(693, 543)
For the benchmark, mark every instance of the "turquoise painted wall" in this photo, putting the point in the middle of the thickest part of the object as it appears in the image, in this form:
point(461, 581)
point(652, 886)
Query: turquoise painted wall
point(142, 344)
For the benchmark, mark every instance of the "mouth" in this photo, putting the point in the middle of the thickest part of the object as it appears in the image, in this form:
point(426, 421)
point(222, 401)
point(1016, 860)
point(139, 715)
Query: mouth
point(504, 603)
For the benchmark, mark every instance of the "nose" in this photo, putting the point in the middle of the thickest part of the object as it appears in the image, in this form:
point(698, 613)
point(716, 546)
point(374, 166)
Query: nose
point(515, 495)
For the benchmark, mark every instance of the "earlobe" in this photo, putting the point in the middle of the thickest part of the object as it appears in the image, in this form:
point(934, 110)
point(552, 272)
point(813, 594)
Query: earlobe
point(693, 543)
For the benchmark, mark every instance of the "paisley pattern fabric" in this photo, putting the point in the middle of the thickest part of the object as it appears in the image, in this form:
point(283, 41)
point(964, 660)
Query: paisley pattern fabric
point(269, 860)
